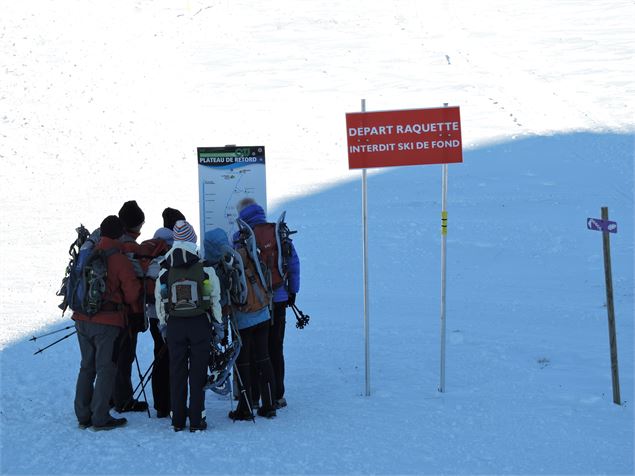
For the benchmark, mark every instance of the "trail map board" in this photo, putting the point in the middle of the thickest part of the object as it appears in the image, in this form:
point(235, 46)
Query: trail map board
point(225, 176)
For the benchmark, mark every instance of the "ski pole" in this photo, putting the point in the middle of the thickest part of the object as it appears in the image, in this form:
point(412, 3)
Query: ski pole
point(51, 345)
point(303, 319)
point(142, 382)
point(149, 371)
point(241, 386)
point(34, 338)
point(145, 397)
point(244, 393)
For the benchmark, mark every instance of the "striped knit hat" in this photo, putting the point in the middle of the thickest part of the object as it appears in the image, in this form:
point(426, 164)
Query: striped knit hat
point(183, 231)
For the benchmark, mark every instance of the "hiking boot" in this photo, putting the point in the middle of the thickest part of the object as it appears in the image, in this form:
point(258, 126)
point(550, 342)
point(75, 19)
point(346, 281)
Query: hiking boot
point(240, 415)
point(177, 428)
point(85, 424)
point(111, 424)
point(269, 412)
point(162, 414)
point(202, 426)
point(280, 403)
point(133, 406)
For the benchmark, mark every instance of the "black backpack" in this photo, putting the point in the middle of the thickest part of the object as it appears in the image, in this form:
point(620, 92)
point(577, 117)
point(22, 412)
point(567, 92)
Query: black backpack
point(186, 296)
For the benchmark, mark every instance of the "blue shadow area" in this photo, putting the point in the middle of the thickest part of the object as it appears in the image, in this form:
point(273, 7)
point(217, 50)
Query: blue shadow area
point(525, 284)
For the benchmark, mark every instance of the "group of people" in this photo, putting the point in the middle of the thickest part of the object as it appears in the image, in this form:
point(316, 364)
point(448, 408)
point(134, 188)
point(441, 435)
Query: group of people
point(187, 311)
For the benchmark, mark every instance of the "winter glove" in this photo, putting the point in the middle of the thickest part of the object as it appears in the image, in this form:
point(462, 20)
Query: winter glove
point(137, 322)
point(291, 300)
point(163, 329)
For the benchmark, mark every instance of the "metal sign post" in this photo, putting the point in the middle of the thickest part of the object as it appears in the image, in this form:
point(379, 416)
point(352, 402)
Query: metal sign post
point(365, 269)
point(444, 233)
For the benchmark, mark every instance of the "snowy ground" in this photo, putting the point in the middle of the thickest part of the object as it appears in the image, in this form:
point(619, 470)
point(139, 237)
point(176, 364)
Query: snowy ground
point(102, 102)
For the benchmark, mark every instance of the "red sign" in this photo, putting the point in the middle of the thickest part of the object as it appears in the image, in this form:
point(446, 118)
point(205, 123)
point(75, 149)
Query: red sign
point(406, 137)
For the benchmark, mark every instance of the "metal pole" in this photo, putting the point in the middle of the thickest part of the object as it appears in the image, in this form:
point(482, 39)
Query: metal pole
point(365, 270)
point(615, 378)
point(444, 231)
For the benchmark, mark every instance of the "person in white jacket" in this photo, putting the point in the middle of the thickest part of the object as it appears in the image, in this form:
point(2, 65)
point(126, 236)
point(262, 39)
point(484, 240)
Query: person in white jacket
point(187, 301)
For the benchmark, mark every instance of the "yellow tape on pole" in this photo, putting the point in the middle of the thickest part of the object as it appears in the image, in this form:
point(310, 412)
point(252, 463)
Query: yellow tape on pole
point(444, 223)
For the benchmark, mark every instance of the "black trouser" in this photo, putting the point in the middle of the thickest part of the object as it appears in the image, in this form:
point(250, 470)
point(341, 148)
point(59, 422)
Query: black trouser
point(276, 344)
point(161, 370)
point(189, 343)
point(255, 343)
point(122, 393)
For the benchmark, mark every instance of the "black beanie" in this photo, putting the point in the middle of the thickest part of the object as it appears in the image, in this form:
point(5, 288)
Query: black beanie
point(171, 216)
point(131, 215)
point(111, 227)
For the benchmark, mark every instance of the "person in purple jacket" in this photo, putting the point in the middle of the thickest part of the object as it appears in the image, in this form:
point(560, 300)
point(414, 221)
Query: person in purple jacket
point(283, 296)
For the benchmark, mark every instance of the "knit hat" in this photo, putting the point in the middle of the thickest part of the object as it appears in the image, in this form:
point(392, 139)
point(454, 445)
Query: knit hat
point(131, 215)
point(171, 216)
point(183, 231)
point(111, 227)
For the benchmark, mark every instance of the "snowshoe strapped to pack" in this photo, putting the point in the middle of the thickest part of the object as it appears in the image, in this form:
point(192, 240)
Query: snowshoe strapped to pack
point(86, 285)
point(257, 276)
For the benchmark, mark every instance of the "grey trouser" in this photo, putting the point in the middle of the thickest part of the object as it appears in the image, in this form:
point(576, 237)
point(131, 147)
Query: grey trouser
point(97, 372)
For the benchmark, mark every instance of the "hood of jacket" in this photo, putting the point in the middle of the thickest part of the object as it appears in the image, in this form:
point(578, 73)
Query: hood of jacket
point(253, 215)
point(182, 253)
point(216, 244)
point(106, 243)
point(164, 234)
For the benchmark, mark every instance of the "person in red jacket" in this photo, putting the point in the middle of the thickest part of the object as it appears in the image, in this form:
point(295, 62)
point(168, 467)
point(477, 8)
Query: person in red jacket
point(132, 219)
point(98, 335)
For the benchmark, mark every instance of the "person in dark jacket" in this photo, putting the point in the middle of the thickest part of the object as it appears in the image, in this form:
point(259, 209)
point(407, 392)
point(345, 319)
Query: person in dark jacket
point(132, 218)
point(187, 302)
point(97, 335)
point(253, 214)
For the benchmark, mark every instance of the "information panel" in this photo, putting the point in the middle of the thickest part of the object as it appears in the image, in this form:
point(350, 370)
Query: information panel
point(404, 137)
point(225, 176)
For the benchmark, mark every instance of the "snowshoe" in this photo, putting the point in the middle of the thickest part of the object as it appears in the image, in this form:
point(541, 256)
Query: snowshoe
point(221, 363)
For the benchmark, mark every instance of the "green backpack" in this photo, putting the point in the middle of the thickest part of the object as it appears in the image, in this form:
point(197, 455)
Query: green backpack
point(186, 297)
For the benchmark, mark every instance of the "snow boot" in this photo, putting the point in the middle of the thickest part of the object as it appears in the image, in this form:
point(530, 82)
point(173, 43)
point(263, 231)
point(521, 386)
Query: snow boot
point(267, 412)
point(202, 426)
point(111, 424)
point(241, 414)
point(85, 424)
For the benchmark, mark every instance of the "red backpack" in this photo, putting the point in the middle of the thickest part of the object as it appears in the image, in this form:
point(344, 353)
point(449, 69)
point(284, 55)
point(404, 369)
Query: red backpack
point(269, 248)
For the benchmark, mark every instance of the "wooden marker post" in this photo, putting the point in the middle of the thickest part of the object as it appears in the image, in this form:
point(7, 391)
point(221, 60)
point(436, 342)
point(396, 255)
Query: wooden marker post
point(606, 227)
point(615, 376)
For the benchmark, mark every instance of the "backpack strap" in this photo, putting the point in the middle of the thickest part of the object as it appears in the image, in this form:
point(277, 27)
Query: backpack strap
point(108, 304)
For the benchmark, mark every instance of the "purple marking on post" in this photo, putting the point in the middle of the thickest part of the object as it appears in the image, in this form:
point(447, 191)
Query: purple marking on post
point(601, 225)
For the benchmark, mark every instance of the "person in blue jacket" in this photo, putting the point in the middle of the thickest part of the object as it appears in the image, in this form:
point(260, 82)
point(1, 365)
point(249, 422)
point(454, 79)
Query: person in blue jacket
point(255, 373)
point(253, 214)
